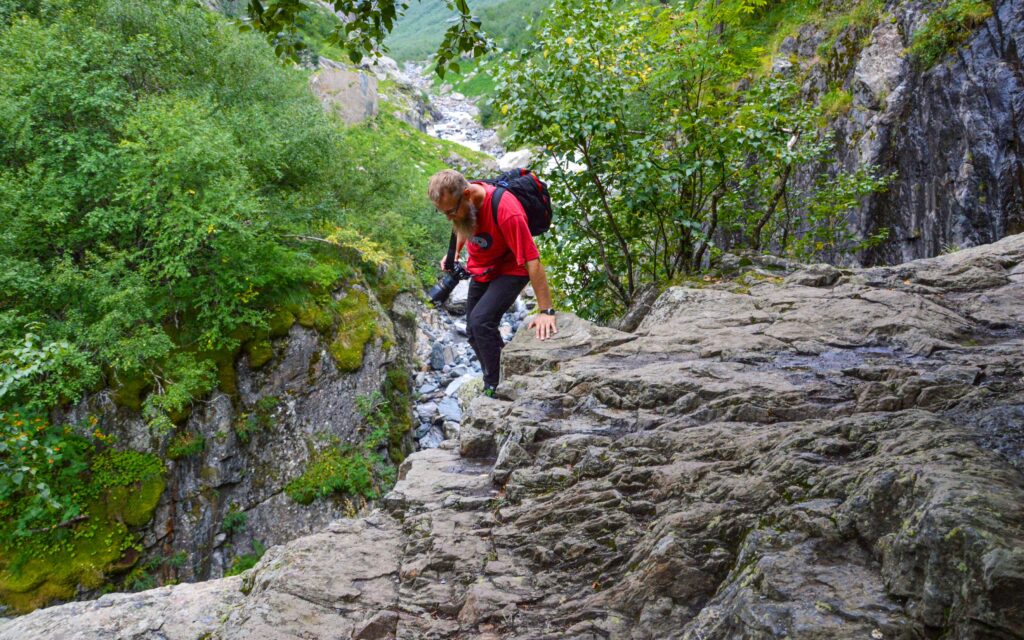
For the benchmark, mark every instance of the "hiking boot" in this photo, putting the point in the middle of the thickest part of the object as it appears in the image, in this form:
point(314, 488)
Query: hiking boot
point(489, 390)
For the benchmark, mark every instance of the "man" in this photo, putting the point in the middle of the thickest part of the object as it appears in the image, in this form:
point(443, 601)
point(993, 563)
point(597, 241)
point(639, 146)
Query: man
point(502, 259)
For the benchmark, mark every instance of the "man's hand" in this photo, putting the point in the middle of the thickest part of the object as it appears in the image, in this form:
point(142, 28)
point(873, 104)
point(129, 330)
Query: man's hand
point(545, 325)
point(443, 260)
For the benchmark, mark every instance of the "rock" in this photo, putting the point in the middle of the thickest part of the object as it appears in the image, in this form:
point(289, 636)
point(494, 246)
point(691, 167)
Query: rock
point(815, 275)
point(441, 356)
point(350, 95)
point(426, 411)
point(454, 386)
point(432, 438)
point(456, 303)
point(475, 443)
point(427, 388)
point(451, 430)
point(790, 461)
point(946, 131)
point(449, 409)
point(515, 159)
point(880, 67)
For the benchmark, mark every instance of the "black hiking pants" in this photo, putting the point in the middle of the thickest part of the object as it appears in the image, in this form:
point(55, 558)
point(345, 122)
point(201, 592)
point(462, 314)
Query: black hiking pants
point(486, 302)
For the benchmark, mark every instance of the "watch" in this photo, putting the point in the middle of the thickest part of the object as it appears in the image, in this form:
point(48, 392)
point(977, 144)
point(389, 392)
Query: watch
point(548, 312)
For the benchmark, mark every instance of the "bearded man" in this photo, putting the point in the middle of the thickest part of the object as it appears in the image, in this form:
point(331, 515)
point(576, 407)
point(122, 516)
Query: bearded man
point(502, 259)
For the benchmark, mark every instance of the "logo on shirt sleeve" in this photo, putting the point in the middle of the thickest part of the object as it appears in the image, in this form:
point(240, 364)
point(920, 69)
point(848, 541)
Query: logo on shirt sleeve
point(483, 240)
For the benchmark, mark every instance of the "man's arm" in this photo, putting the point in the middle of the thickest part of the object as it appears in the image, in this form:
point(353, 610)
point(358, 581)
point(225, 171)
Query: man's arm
point(460, 241)
point(545, 324)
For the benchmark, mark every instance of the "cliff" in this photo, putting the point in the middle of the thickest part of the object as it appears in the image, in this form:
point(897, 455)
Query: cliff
point(948, 122)
point(802, 452)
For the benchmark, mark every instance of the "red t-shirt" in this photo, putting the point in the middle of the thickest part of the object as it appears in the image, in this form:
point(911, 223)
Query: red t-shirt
point(494, 252)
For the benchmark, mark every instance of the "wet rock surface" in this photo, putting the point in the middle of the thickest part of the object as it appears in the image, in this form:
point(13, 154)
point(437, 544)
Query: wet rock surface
point(778, 455)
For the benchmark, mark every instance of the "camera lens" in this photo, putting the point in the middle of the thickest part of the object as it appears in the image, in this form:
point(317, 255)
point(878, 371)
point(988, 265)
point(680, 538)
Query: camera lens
point(440, 291)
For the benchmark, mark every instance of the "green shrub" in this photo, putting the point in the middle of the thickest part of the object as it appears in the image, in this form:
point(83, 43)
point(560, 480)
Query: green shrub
point(173, 166)
point(234, 521)
point(260, 419)
point(71, 524)
point(335, 470)
point(247, 561)
point(946, 29)
point(185, 444)
point(836, 102)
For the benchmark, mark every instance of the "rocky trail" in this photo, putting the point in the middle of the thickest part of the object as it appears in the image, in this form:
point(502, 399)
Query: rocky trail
point(801, 452)
point(442, 347)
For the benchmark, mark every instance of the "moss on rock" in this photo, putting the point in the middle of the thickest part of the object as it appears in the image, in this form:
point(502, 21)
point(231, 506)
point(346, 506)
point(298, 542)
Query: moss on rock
point(357, 324)
point(127, 486)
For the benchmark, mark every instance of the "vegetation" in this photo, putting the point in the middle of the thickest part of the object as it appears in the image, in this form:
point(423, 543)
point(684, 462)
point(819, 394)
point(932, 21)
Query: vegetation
point(234, 521)
point(171, 197)
point(365, 29)
point(246, 561)
point(946, 29)
point(68, 504)
point(361, 471)
point(661, 162)
point(836, 102)
point(185, 444)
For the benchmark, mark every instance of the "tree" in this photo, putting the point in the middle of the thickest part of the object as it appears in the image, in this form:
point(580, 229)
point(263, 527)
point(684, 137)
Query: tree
point(666, 148)
point(363, 28)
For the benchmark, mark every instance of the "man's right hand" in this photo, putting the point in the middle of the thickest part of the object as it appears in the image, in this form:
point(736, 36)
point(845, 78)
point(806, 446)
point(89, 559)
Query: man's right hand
point(443, 260)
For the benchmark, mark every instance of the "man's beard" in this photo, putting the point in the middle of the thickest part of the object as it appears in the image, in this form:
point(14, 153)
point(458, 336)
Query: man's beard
point(467, 226)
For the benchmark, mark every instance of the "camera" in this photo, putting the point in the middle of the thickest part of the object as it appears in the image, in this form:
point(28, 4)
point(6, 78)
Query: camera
point(444, 287)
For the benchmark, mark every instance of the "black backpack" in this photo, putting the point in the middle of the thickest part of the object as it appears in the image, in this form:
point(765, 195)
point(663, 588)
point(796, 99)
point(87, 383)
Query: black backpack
point(530, 192)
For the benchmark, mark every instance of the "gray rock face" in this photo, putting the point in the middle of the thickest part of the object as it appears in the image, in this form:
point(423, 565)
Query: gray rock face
point(350, 95)
point(255, 444)
point(952, 133)
point(815, 456)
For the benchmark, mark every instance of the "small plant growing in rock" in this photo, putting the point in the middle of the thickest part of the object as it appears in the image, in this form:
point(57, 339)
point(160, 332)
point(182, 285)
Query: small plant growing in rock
point(260, 419)
point(246, 561)
point(185, 444)
point(234, 521)
point(946, 29)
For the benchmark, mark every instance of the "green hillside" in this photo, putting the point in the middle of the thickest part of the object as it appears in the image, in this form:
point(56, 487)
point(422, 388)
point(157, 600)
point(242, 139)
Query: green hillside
point(419, 31)
point(163, 181)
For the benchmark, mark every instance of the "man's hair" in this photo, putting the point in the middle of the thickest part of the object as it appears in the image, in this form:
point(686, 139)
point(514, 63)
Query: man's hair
point(448, 181)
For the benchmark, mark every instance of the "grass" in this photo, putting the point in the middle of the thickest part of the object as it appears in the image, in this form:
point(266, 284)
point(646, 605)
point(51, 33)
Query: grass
point(185, 444)
point(836, 102)
point(246, 561)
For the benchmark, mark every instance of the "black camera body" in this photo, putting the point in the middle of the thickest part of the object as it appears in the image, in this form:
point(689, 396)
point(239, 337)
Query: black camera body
point(444, 287)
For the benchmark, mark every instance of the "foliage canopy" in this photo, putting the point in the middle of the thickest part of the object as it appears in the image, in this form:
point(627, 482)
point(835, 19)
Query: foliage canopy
point(666, 149)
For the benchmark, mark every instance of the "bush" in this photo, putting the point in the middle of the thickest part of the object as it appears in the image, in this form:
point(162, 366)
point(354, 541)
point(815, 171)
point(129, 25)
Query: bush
point(185, 444)
point(234, 521)
point(247, 561)
point(160, 172)
point(335, 470)
point(836, 102)
point(662, 162)
point(946, 29)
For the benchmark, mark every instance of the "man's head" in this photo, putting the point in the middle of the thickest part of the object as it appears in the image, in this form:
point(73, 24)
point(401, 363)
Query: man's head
point(450, 193)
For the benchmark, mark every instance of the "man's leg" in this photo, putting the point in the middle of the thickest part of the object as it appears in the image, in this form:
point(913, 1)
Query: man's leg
point(483, 318)
point(476, 291)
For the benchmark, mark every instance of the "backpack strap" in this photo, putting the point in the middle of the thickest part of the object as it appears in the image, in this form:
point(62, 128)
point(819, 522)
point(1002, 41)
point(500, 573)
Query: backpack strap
point(495, 200)
point(449, 262)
